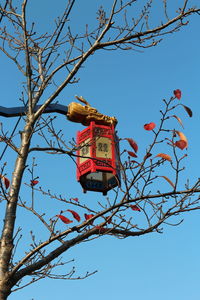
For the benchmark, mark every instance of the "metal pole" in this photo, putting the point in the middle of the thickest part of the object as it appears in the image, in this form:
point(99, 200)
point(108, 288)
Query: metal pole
point(21, 110)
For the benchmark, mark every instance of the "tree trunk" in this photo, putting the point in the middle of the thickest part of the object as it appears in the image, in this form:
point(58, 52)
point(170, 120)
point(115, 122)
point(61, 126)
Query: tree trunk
point(5, 290)
point(6, 243)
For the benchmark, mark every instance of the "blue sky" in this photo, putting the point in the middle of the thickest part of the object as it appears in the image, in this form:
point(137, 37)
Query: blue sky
point(130, 86)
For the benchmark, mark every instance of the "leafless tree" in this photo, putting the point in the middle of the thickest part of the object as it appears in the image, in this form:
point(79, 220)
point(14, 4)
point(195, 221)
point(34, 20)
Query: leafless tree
point(41, 57)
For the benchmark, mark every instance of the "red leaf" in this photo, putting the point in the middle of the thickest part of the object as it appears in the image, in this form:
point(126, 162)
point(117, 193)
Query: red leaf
point(34, 182)
point(109, 220)
point(135, 207)
point(64, 219)
point(74, 199)
point(181, 144)
point(75, 215)
point(177, 94)
point(147, 155)
point(149, 126)
point(88, 217)
point(133, 144)
point(6, 181)
point(101, 229)
point(131, 153)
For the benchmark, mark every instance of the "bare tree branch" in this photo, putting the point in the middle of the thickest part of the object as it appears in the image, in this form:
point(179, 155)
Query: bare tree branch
point(41, 58)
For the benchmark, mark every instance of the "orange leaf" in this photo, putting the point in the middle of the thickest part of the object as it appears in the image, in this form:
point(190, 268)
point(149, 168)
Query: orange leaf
point(75, 215)
point(131, 153)
point(133, 144)
point(149, 126)
point(179, 120)
point(164, 156)
point(188, 110)
point(182, 137)
point(64, 219)
point(168, 180)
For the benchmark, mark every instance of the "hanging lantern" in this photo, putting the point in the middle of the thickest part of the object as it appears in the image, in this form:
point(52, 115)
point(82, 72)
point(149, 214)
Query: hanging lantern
point(98, 158)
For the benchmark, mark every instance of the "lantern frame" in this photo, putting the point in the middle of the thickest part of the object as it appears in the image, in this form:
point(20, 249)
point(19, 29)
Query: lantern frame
point(98, 158)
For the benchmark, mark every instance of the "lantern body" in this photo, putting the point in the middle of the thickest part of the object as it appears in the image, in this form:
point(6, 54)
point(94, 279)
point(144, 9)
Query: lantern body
point(98, 158)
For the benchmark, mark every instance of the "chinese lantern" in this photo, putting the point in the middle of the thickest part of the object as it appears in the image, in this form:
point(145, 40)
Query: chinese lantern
point(98, 158)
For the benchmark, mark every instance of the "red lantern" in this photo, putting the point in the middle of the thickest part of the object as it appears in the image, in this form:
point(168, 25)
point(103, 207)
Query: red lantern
point(98, 158)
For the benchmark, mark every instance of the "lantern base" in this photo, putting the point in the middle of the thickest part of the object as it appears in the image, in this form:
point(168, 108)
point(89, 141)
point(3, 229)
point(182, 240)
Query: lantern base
point(99, 182)
point(104, 193)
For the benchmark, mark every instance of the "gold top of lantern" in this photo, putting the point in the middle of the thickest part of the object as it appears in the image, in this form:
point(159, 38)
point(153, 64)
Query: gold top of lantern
point(84, 114)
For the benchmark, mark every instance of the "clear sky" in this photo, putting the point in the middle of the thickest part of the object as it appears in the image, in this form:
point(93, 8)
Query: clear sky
point(130, 86)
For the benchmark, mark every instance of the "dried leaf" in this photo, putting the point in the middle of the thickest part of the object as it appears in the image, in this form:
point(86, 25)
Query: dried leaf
point(134, 162)
point(88, 217)
point(34, 182)
point(164, 156)
point(168, 180)
point(147, 155)
point(131, 153)
point(181, 144)
point(75, 215)
point(135, 207)
point(182, 137)
point(109, 220)
point(179, 120)
point(101, 229)
point(133, 144)
point(74, 199)
point(6, 181)
point(64, 219)
point(177, 94)
point(149, 126)
point(188, 110)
